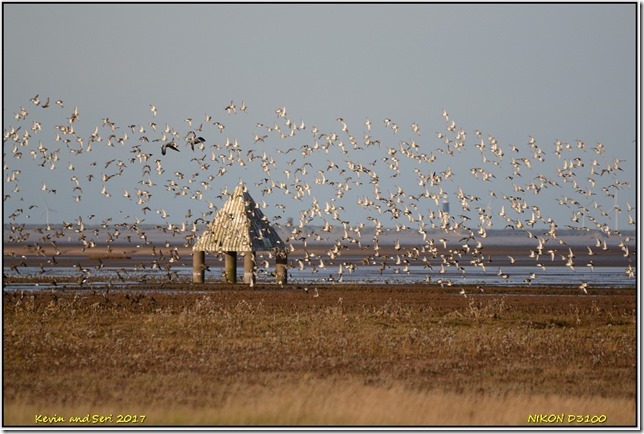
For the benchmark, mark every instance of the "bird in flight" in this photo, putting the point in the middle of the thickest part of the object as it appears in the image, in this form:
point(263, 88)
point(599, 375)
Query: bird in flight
point(170, 145)
point(193, 139)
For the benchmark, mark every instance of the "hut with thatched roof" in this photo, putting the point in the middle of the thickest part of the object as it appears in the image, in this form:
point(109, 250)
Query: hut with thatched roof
point(239, 227)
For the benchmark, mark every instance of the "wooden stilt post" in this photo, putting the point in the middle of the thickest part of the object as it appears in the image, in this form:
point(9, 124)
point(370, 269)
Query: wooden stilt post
point(198, 266)
point(249, 268)
point(281, 270)
point(230, 266)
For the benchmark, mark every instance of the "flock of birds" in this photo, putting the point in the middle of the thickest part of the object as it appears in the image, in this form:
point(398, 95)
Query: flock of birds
point(321, 173)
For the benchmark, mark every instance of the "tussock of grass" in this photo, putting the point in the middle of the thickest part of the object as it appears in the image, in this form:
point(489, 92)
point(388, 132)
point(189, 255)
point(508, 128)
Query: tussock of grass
point(365, 357)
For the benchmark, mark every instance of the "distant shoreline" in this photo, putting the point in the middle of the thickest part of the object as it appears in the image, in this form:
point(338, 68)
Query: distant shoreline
point(127, 254)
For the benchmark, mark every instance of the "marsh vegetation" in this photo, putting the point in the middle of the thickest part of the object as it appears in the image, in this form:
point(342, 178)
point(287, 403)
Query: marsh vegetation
point(365, 355)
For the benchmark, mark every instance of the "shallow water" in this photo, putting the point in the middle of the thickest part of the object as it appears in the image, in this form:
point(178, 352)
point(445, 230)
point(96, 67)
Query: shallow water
point(604, 277)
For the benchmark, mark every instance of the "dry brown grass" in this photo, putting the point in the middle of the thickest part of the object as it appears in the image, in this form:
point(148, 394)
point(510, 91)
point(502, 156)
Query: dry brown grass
point(355, 355)
point(307, 402)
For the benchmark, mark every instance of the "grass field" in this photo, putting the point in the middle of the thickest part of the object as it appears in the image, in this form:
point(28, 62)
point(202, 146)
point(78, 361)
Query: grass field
point(354, 355)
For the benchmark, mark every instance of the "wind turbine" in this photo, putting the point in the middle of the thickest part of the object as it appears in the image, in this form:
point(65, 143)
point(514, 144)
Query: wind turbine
point(488, 211)
point(616, 212)
point(47, 210)
point(583, 215)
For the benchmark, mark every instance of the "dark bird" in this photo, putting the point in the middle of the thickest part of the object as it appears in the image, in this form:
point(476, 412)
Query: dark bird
point(193, 140)
point(170, 145)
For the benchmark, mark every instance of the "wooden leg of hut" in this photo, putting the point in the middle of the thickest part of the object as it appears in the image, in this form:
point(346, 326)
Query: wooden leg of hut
point(198, 266)
point(249, 268)
point(230, 266)
point(281, 259)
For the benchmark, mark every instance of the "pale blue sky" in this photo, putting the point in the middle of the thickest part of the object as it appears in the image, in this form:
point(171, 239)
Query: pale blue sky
point(512, 71)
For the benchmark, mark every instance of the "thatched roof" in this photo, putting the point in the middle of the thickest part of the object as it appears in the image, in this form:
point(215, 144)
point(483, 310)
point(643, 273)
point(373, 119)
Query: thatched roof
point(239, 226)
